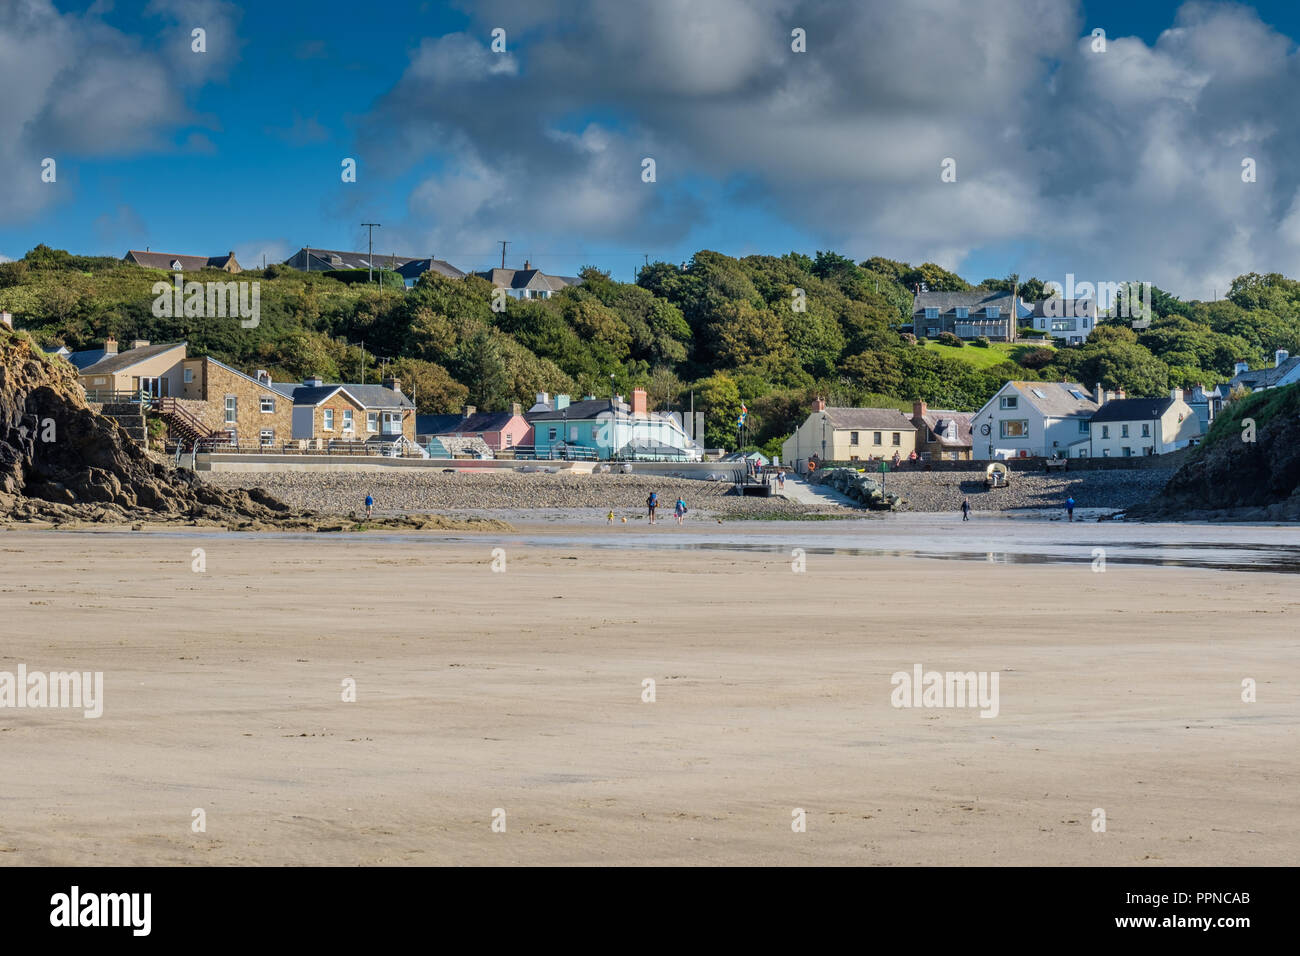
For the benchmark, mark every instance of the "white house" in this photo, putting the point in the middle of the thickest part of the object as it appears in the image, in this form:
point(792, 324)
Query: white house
point(1034, 419)
point(1285, 371)
point(1135, 427)
point(1069, 321)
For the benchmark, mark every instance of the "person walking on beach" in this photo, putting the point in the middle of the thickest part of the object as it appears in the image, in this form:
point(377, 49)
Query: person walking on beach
point(680, 509)
point(651, 504)
point(1069, 507)
point(965, 509)
point(370, 506)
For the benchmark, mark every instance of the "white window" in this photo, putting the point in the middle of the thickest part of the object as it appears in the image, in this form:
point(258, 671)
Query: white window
point(101, 380)
point(268, 406)
point(550, 434)
point(898, 438)
point(189, 375)
point(993, 311)
point(1105, 431)
point(1123, 431)
point(931, 313)
point(1009, 401)
point(875, 438)
point(266, 437)
point(328, 416)
point(1014, 429)
point(347, 419)
point(1146, 430)
point(1083, 426)
point(932, 332)
point(963, 312)
point(853, 438)
point(232, 409)
point(372, 422)
point(392, 423)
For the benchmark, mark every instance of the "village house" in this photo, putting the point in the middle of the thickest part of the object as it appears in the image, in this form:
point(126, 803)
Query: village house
point(849, 434)
point(181, 263)
point(1034, 419)
point(969, 315)
point(1285, 371)
point(1135, 427)
point(151, 370)
point(1208, 402)
point(527, 283)
point(499, 431)
point(1069, 321)
point(606, 428)
point(942, 435)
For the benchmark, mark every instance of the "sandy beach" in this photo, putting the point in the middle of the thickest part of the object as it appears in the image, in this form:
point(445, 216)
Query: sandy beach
point(521, 690)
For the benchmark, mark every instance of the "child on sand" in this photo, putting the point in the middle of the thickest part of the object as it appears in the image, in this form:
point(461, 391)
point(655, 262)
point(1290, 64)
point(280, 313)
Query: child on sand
point(651, 504)
point(370, 506)
point(965, 509)
point(1069, 507)
point(680, 510)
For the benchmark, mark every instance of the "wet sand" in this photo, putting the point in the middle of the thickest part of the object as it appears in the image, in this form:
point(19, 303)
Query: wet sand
point(522, 691)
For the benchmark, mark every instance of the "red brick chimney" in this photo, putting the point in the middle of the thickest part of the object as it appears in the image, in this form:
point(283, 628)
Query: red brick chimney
point(918, 409)
point(639, 406)
point(819, 405)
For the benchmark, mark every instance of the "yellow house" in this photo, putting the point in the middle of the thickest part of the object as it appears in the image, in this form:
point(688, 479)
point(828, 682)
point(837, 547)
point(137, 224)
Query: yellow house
point(154, 369)
point(849, 434)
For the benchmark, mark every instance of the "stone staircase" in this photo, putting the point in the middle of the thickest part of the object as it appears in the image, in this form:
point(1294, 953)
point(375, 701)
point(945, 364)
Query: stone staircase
point(130, 416)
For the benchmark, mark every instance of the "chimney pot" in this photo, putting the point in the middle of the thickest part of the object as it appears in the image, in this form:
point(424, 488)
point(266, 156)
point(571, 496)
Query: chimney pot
point(1101, 395)
point(394, 383)
point(110, 346)
point(1280, 356)
point(516, 408)
point(918, 409)
point(819, 405)
point(468, 410)
point(640, 405)
point(139, 343)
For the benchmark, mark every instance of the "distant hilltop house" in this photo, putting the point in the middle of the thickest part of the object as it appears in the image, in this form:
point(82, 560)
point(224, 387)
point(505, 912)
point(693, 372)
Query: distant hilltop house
point(832, 433)
point(1134, 427)
point(969, 315)
point(410, 268)
point(1069, 320)
point(527, 283)
point(999, 316)
point(604, 428)
point(1035, 419)
point(1285, 371)
point(173, 262)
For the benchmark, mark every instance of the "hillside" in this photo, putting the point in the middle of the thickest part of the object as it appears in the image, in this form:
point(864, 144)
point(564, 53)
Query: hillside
point(1231, 477)
point(722, 329)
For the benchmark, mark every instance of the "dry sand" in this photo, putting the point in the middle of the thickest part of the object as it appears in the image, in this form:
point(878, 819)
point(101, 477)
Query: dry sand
point(522, 690)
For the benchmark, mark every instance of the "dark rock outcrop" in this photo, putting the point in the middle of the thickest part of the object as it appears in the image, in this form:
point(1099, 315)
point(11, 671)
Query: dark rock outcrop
point(1236, 480)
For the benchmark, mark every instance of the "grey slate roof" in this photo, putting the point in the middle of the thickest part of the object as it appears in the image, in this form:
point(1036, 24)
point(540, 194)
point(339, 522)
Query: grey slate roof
point(937, 419)
point(1066, 309)
point(112, 364)
point(368, 396)
point(866, 419)
point(1133, 409)
point(435, 424)
point(418, 267)
point(323, 260)
point(577, 411)
point(484, 422)
point(1266, 377)
point(533, 279)
point(164, 260)
point(977, 301)
point(83, 360)
point(1056, 400)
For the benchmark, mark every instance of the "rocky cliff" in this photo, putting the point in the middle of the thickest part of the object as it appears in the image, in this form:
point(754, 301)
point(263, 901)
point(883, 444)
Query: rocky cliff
point(61, 462)
point(1233, 478)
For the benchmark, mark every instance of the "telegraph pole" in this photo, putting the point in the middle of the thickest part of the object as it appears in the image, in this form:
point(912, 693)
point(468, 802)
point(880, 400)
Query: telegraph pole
point(504, 243)
point(370, 254)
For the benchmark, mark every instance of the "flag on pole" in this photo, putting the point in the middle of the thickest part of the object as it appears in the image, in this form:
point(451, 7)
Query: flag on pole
point(744, 413)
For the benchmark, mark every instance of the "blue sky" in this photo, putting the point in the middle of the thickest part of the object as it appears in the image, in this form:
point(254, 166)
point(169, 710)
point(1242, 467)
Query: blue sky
point(1113, 167)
